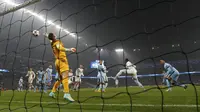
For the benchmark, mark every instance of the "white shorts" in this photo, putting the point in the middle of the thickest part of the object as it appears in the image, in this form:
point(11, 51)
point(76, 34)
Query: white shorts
point(78, 79)
point(30, 80)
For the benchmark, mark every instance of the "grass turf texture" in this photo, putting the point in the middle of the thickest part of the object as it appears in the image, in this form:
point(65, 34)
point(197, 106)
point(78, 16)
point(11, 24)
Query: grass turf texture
point(177, 100)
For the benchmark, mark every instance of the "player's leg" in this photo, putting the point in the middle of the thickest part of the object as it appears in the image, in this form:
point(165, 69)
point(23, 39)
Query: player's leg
point(106, 83)
point(116, 83)
point(67, 96)
point(22, 87)
point(18, 87)
point(36, 87)
point(98, 83)
point(168, 84)
point(44, 87)
point(175, 82)
point(30, 84)
point(102, 83)
point(137, 82)
point(120, 72)
point(133, 71)
point(54, 89)
point(77, 85)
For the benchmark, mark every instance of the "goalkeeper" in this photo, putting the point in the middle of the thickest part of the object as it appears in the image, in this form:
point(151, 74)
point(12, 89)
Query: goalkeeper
point(62, 66)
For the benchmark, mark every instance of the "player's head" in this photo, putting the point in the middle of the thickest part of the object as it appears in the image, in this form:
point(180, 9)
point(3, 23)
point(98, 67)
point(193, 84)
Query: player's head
point(50, 66)
point(41, 68)
point(81, 66)
point(51, 36)
point(21, 77)
point(70, 70)
point(126, 60)
point(30, 69)
point(100, 62)
point(162, 62)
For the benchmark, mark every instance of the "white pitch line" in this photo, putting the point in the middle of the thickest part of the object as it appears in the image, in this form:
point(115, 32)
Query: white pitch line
point(99, 104)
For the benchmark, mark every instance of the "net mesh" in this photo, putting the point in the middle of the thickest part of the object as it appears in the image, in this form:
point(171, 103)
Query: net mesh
point(145, 32)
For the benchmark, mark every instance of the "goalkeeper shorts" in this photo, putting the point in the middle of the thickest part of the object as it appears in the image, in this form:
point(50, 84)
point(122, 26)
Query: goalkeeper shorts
point(61, 65)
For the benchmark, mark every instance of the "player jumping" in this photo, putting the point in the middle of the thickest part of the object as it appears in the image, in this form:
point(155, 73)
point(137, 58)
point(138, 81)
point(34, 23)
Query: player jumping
point(130, 70)
point(62, 66)
point(172, 74)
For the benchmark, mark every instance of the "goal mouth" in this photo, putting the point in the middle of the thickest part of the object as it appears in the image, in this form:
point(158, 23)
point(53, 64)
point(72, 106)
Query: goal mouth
point(17, 6)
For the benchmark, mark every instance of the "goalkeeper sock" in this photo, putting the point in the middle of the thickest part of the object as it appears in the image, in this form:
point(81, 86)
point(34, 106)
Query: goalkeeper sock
point(55, 86)
point(65, 85)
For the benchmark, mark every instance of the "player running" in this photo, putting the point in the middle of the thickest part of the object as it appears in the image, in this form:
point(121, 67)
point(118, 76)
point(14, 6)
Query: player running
point(62, 66)
point(172, 74)
point(31, 77)
point(130, 70)
point(79, 74)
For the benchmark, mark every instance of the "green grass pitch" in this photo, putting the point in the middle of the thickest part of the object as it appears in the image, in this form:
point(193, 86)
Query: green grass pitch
point(178, 100)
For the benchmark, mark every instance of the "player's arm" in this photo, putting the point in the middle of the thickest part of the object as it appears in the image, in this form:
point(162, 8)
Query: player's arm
point(46, 36)
point(33, 75)
point(61, 48)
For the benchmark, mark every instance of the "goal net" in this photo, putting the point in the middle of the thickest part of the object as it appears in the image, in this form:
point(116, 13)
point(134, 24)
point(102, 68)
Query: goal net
point(112, 31)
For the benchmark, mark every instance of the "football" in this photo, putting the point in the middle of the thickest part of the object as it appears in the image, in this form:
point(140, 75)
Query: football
point(36, 33)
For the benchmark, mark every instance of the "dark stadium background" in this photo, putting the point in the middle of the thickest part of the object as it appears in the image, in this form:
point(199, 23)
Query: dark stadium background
point(35, 52)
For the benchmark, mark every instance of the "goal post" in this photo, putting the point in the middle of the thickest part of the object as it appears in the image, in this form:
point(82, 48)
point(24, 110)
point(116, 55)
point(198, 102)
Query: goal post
point(17, 6)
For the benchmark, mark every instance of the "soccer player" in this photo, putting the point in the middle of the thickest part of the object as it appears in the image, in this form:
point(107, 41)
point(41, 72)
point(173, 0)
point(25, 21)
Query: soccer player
point(101, 76)
point(71, 76)
point(62, 66)
point(106, 78)
point(167, 82)
point(49, 76)
point(130, 70)
point(21, 82)
point(116, 81)
point(79, 74)
point(172, 74)
point(40, 80)
point(31, 77)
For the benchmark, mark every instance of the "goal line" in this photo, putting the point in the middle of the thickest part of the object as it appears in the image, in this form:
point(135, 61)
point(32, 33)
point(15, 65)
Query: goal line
point(108, 104)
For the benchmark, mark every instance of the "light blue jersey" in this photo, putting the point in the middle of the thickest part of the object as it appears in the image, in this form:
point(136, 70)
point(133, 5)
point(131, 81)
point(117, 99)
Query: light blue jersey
point(171, 71)
point(41, 79)
point(49, 73)
point(41, 76)
point(101, 73)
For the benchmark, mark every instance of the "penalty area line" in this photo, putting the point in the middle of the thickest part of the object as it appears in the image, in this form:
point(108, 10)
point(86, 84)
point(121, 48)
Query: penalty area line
point(107, 104)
